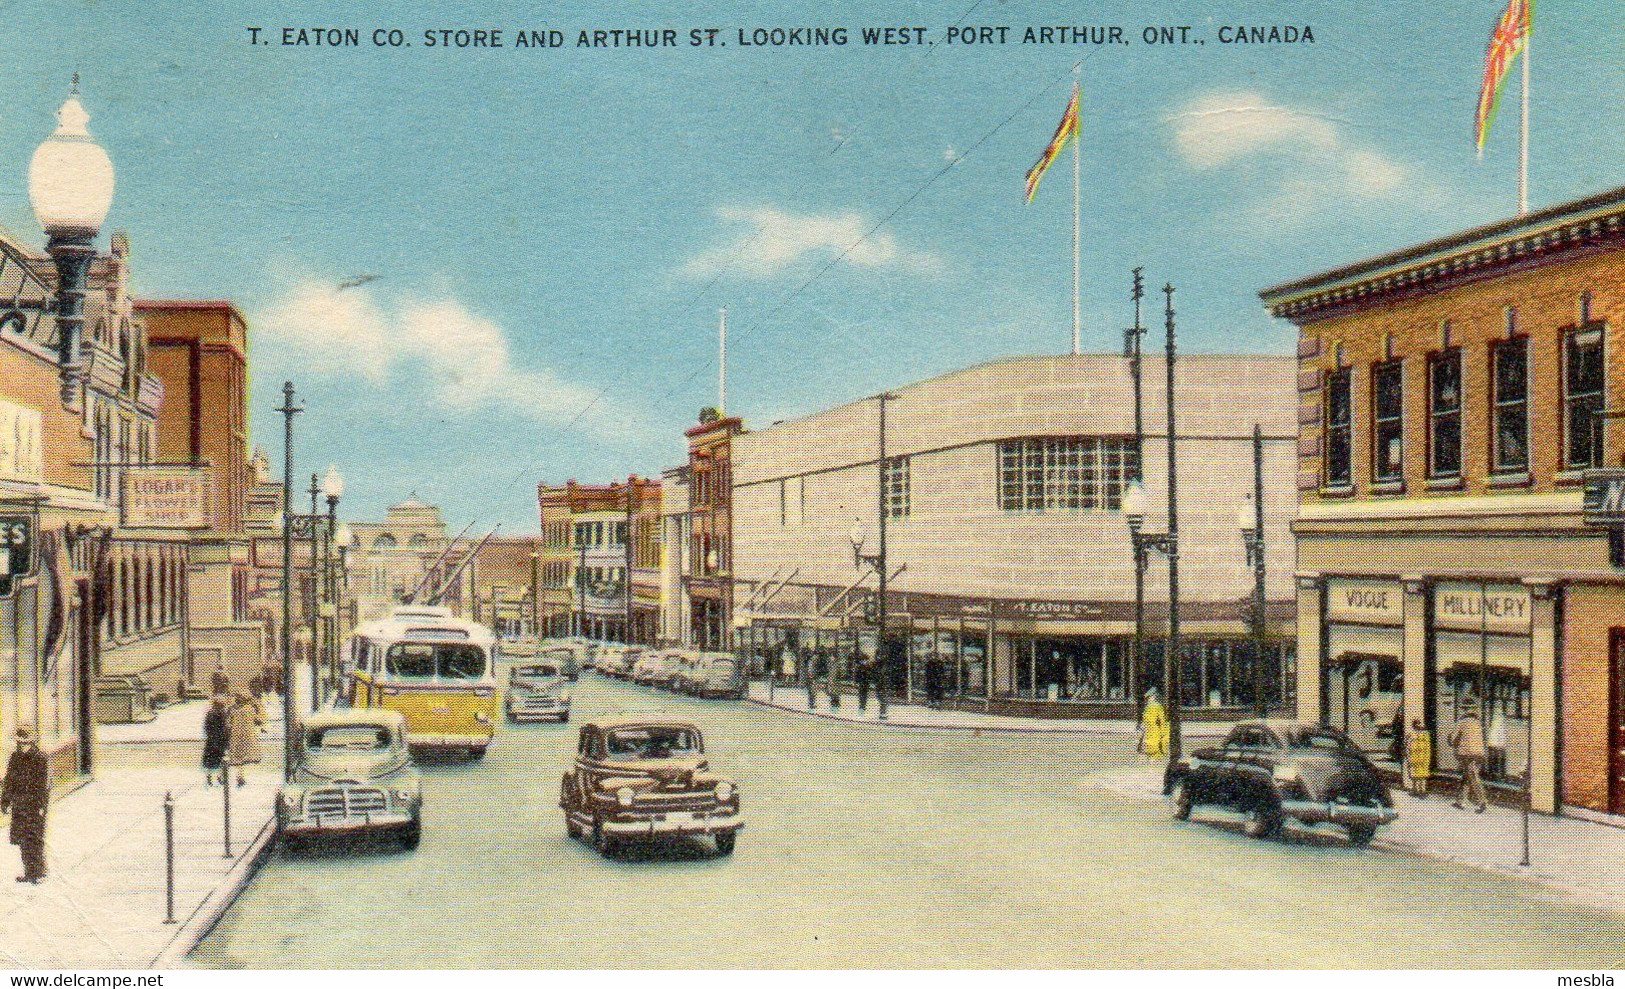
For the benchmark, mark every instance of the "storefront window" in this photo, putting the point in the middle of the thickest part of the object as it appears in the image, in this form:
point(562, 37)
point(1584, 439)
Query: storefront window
point(1365, 687)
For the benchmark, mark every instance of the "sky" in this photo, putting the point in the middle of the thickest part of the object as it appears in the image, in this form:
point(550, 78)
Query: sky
point(552, 232)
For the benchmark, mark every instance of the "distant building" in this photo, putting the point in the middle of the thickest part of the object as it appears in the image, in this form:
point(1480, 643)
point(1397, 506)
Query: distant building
point(1014, 566)
point(505, 576)
point(1455, 397)
point(614, 588)
point(404, 554)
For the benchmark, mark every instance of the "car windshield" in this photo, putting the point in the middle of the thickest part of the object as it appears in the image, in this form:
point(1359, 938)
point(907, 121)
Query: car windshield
point(656, 742)
point(720, 667)
point(348, 738)
point(427, 660)
point(535, 671)
point(1316, 738)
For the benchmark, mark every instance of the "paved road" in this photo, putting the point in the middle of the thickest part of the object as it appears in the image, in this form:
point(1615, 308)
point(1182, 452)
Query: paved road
point(878, 848)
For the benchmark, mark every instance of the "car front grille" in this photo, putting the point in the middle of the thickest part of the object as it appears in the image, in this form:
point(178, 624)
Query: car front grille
point(345, 802)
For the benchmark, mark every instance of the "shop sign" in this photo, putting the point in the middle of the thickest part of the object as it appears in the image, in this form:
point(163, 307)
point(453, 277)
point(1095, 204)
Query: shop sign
point(1059, 610)
point(22, 444)
point(167, 498)
point(16, 550)
point(1604, 501)
point(1500, 608)
point(1376, 602)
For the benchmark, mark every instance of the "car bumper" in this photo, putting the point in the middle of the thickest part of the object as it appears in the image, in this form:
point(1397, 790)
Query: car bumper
point(672, 824)
point(527, 713)
point(386, 821)
point(435, 740)
point(1314, 813)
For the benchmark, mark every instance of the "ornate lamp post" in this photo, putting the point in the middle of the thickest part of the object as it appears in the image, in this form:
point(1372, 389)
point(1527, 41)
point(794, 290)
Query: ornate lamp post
point(287, 524)
point(70, 184)
point(1250, 520)
point(333, 488)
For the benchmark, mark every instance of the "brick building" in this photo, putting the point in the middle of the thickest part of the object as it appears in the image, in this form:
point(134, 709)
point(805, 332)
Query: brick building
point(1452, 399)
point(1003, 490)
point(505, 576)
point(608, 583)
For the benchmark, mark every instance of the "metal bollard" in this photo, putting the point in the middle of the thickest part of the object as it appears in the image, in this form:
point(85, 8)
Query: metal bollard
point(225, 788)
point(169, 857)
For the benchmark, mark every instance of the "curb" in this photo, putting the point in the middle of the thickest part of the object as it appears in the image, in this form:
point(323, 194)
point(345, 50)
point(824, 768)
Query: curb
point(214, 906)
point(1007, 729)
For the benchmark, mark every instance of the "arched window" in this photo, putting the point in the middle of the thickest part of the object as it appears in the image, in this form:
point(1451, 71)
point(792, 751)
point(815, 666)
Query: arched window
point(418, 540)
point(385, 541)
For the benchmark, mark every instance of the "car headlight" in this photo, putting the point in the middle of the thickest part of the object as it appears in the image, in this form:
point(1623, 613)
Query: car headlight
point(1285, 774)
point(405, 796)
point(290, 801)
point(725, 792)
point(624, 796)
point(482, 717)
point(566, 697)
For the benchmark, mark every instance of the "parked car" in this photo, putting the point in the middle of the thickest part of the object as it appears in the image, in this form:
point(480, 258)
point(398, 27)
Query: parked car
point(638, 778)
point(684, 672)
point(1274, 770)
point(566, 659)
point(714, 674)
point(647, 667)
point(354, 774)
point(538, 690)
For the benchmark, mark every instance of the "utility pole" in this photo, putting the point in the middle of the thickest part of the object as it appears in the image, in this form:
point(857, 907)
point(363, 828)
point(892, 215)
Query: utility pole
point(289, 739)
point(1260, 679)
point(882, 619)
point(626, 551)
point(316, 557)
point(1131, 350)
point(1172, 657)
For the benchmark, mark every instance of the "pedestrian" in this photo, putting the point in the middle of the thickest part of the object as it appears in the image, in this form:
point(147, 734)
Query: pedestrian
point(1153, 726)
point(1497, 741)
point(26, 794)
point(243, 728)
point(216, 740)
point(1419, 758)
point(1468, 742)
point(864, 674)
point(219, 682)
point(933, 681)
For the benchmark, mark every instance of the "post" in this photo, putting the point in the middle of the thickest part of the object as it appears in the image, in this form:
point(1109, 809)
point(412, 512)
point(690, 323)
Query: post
point(288, 410)
point(225, 791)
point(626, 552)
point(169, 857)
point(535, 594)
point(1259, 679)
point(316, 544)
point(722, 363)
point(1173, 658)
point(1131, 347)
point(1077, 154)
point(72, 254)
point(881, 617)
point(331, 591)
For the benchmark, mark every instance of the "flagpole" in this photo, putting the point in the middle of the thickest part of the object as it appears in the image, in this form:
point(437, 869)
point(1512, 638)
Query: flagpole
point(1077, 139)
point(1523, 143)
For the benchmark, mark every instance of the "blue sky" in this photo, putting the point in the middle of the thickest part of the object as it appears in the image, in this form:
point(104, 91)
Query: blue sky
point(554, 231)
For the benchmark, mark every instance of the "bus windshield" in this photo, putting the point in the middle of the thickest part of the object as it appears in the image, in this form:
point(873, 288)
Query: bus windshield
point(426, 660)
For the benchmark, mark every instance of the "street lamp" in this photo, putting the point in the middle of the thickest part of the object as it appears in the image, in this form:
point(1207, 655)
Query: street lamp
point(535, 595)
point(1250, 520)
point(1167, 543)
point(285, 523)
point(1131, 351)
point(70, 185)
point(333, 488)
point(877, 563)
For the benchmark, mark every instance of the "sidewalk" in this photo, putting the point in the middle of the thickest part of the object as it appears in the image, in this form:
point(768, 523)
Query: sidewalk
point(102, 903)
point(1581, 858)
point(794, 699)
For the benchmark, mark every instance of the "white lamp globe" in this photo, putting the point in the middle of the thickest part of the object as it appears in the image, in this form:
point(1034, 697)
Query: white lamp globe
point(70, 180)
point(1245, 515)
point(333, 485)
point(1134, 501)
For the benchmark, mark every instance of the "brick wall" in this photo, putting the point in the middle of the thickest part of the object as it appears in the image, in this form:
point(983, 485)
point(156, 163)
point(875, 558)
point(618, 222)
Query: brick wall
point(1591, 612)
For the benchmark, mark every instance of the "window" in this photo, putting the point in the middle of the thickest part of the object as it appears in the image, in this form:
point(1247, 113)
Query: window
point(1339, 417)
point(894, 484)
point(1387, 422)
point(1510, 369)
point(1583, 379)
point(1064, 474)
point(1444, 414)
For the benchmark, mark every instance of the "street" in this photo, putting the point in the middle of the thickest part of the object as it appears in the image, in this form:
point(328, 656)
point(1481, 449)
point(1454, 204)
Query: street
point(876, 848)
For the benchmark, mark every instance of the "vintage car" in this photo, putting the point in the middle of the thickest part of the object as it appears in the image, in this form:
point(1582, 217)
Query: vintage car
point(1274, 770)
point(617, 660)
point(537, 690)
point(652, 669)
point(713, 674)
point(354, 775)
point(640, 778)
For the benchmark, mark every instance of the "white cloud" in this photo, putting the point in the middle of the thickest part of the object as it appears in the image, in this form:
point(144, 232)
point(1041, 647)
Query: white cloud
point(465, 358)
point(766, 240)
point(1320, 164)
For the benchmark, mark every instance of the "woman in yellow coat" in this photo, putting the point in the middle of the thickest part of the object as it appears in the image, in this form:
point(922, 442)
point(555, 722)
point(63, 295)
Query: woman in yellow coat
point(1419, 758)
point(1153, 726)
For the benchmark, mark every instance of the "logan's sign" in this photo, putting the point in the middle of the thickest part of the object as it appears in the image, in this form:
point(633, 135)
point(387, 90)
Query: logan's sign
point(168, 498)
point(1378, 602)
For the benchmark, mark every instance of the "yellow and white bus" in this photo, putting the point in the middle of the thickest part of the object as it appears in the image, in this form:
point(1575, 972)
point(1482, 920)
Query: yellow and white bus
point(436, 670)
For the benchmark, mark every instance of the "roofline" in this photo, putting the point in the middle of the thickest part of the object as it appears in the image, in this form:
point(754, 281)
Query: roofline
point(1609, 206)
point(148, 305)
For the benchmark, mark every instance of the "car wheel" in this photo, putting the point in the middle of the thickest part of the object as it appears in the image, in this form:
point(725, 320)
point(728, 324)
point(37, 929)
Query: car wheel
point(1263, 820)
point(412, 835)
point(1360, 835)
point(725, 842)
point(1183, 803)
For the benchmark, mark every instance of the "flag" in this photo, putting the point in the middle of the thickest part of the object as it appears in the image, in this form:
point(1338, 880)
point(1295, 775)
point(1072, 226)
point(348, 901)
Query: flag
point(1506, 44)
point(1067, 131)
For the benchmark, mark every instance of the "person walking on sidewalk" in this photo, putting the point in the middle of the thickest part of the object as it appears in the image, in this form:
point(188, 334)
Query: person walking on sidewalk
point(216, 740)
point(863, 672)
point(243, 727)
point(219, 682)
point(1153, 726)
point(1419, 758)
point(26, 794)
point(1468, 742)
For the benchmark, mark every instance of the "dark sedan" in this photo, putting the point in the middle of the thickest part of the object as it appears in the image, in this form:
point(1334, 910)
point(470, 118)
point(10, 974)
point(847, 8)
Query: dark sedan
point(1274, 770)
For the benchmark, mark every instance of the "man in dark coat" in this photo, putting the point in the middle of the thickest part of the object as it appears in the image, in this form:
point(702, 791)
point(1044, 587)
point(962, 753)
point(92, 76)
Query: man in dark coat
point(26, 793)
point(216, 739)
